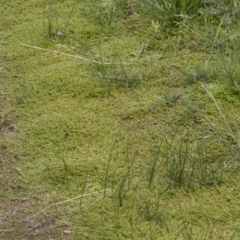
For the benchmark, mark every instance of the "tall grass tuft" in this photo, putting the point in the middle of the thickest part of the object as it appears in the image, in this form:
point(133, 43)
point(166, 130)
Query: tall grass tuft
point(50, 22)
point(104, 14)
point(231, 66)
point(107, 169)
point(51, 26)
point(125, 183)
point(115, 74)
point(186, 164)
point(150, 210)
point(202, 73)
point(171, 13)
point(153, 167)
point(230, 129)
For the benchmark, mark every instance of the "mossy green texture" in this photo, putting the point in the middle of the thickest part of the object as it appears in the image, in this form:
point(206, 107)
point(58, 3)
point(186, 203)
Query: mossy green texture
point(108, 129)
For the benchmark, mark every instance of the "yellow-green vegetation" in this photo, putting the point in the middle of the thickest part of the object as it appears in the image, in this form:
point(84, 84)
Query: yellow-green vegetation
point(119, 119)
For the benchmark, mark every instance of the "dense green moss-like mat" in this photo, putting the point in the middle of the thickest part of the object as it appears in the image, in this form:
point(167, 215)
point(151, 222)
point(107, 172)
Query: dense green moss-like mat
point(118, 124)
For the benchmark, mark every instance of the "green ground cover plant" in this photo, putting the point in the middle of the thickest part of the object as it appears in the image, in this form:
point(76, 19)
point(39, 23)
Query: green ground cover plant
point(119, 119)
